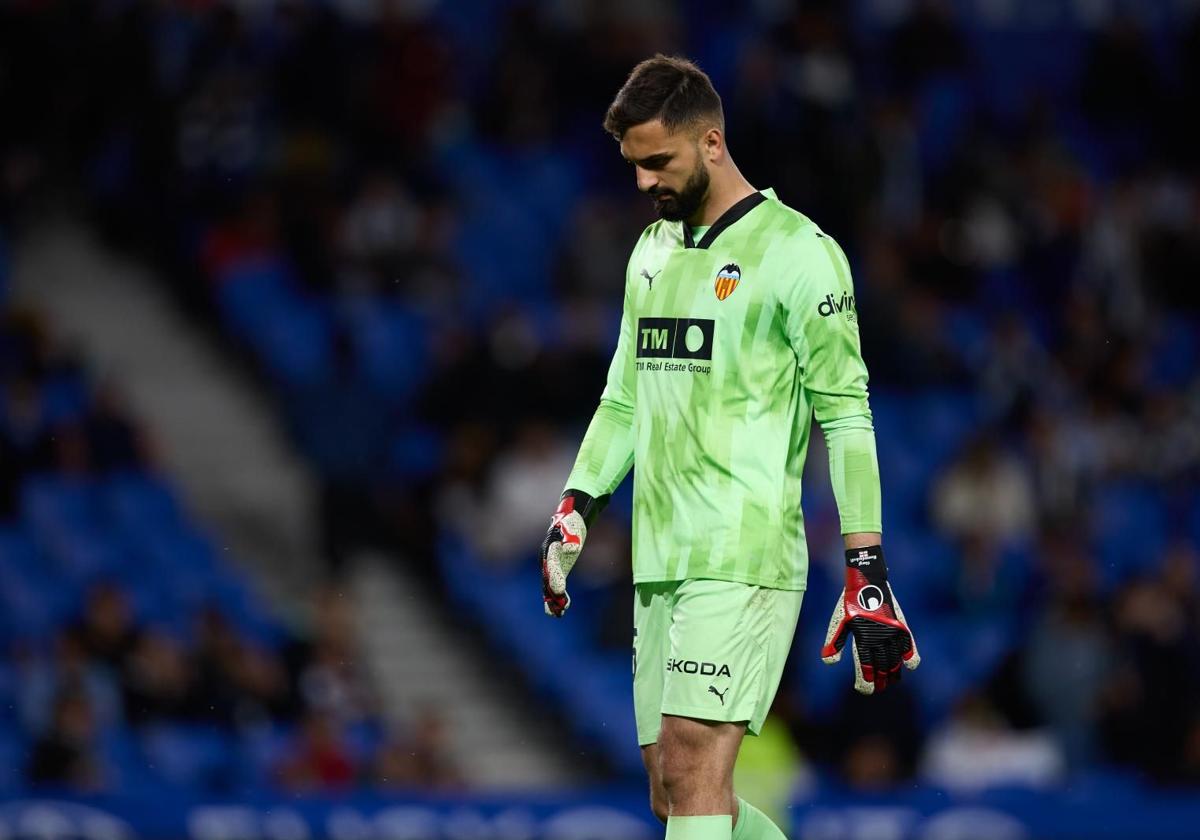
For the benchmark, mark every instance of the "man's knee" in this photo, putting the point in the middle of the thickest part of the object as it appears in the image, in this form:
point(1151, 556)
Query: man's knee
point(682, 750)
point(695, 760)
point(658, 795)
point(659, 804)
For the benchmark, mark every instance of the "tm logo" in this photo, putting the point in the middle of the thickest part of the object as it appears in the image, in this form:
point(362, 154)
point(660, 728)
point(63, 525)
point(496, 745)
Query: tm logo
point(830, 306)
point(675, 338)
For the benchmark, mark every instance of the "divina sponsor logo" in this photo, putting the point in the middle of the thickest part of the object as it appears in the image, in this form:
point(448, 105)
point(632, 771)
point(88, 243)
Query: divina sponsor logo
point(691, 666)
point(832, 305)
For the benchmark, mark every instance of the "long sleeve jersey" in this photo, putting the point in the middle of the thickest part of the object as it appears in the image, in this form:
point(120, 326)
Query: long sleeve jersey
point(729, 347)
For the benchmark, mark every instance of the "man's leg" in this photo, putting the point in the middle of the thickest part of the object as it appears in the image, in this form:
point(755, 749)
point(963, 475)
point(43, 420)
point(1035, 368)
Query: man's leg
point(696, 759)
point(749, 823)
point(728, 645)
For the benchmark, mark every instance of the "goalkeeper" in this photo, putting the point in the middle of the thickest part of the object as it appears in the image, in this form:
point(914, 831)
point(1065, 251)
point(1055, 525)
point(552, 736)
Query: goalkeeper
point(739, 327)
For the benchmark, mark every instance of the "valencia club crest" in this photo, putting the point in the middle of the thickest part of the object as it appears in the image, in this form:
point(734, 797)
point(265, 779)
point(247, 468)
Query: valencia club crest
point(727, 280)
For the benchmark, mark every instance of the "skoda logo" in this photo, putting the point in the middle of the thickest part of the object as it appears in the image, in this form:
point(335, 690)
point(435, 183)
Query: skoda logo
point(870, 598)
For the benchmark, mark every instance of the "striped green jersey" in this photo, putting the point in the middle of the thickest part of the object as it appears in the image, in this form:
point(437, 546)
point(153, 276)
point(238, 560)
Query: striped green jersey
point(729, 346)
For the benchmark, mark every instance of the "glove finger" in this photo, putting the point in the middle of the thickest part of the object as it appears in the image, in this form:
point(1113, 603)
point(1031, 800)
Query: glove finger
point(892, 651)
point(835, 636)
point(884, 668)
point(911, 657)
point(861, 684)
point(556, 605)
point(879, 672)
point(556, 580)
point(567, 554)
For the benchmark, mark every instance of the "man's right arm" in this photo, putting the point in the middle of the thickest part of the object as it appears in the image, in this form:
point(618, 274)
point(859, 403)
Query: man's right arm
point(606, 454)
point(604, 459)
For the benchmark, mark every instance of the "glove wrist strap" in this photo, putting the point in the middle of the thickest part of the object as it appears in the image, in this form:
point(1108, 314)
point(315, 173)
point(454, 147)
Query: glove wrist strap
point(869, 561)
point(588, 507)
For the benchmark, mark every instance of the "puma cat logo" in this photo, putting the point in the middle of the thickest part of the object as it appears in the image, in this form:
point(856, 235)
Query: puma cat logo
point(720, 694)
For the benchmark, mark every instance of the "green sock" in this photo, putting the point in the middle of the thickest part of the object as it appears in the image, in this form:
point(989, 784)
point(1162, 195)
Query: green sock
point(753, 824)
point(719, 827)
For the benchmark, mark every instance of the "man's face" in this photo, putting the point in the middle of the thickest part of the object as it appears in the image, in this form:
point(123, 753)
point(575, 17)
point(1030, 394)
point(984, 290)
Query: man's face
point(669, 168)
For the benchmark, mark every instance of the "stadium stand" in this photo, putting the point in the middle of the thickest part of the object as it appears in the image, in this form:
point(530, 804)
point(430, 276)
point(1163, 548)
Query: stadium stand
point(415, 255)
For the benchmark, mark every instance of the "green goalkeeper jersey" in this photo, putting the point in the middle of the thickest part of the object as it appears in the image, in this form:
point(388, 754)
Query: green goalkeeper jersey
point(729, 346)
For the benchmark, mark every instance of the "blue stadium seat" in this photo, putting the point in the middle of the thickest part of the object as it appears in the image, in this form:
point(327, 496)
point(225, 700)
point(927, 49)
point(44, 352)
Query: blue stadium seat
point(51, 503)
point(943, 118)
point(417, 452)
point(296, 344)
point(1175, 352)
point(138, 502)
point(124, 763)
point(8, 694)
point(83, 557)
point(65, 399)
point(17, 551)
point(250, 292)
point(191, 757)
point(34, 604)
point(13, 752)
point(260, 751)
point(392, 348)
point(1128, 529)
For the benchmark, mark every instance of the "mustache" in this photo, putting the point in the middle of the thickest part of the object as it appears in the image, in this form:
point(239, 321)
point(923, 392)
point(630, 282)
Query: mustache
point(657, 192)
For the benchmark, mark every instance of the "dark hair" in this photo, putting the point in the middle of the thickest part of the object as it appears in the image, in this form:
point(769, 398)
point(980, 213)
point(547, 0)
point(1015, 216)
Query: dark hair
point(664, 87)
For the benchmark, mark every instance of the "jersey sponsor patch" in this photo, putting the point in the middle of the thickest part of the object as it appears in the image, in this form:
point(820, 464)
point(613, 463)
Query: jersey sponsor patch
point(830, 305)
point(675, 338)
point(727, 280)
point(691, 666)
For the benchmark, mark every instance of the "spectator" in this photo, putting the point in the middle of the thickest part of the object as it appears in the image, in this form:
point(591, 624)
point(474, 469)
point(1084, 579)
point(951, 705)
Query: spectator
point(420, 760)
point(514, 506)
point(116, 443)
point(876, 741)
point(319, 759)
point(65, 755)
point(158, 681)
point(70, 672)
point(985, 494)
point(1157, 623)
point(329, 678)
point(106, 630)
point(977, 749)
point(1067, 657)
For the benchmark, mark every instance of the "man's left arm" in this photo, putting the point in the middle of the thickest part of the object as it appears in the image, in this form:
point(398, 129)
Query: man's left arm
point(822, 323)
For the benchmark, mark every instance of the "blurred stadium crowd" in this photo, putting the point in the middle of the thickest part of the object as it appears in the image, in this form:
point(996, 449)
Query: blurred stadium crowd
point(406, 218)
point(134, 654)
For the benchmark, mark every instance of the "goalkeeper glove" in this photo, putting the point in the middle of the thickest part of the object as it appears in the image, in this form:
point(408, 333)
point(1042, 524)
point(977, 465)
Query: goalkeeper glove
point(564, 540)
point(868, 609)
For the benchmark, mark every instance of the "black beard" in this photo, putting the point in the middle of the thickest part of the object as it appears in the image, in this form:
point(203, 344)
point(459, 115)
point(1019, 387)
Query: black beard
point(675, 207)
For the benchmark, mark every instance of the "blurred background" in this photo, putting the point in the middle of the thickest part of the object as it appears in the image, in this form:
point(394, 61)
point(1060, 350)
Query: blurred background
point(304, 307)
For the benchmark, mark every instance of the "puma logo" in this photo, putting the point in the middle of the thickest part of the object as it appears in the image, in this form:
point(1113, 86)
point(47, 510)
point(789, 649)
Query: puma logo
point(720, 694)
point(650, 277)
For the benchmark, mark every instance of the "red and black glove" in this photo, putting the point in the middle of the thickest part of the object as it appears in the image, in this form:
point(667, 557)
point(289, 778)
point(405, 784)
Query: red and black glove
point(868, 610)
point(561, 547)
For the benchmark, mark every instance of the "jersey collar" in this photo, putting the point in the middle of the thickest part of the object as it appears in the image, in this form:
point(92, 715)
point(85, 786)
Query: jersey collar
point(727, 218)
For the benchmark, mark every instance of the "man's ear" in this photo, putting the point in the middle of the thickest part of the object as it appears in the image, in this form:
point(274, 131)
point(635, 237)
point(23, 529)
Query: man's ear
point(712, 144)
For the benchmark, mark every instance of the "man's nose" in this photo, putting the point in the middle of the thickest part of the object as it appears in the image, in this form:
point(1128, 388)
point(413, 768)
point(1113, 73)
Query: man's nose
point(646, 180)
